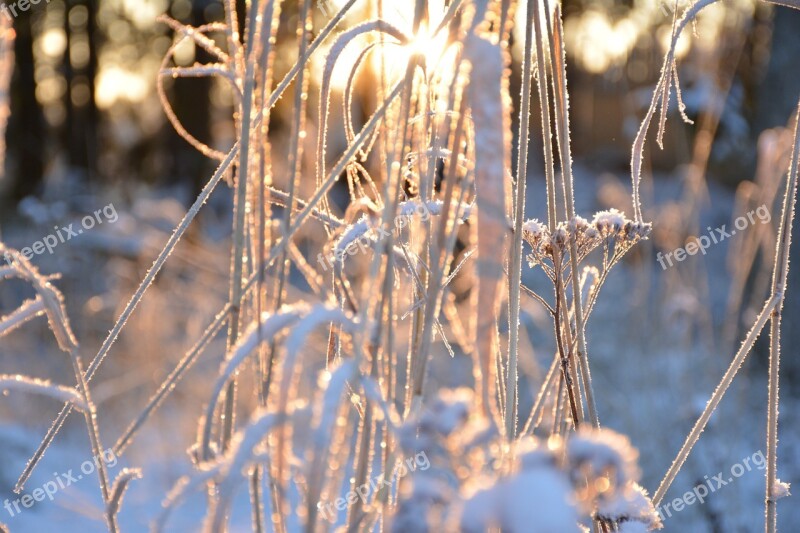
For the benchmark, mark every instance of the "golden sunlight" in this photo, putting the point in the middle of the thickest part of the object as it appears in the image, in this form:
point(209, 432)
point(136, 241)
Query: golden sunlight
point(427, 44)
point(390, 56)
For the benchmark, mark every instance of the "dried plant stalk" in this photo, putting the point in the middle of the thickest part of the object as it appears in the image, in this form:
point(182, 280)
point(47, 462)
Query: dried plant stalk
point(780, 275)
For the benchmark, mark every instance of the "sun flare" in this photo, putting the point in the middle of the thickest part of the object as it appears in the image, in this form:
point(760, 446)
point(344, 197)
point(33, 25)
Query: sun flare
point(392, 57)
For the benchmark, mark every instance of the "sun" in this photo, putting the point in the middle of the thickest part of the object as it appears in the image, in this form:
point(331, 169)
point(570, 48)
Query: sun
point(427, 44)
point(432, 46)
point(391, 58)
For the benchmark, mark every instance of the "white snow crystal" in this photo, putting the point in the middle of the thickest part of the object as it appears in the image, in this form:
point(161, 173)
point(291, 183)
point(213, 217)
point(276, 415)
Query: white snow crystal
point(781, 490)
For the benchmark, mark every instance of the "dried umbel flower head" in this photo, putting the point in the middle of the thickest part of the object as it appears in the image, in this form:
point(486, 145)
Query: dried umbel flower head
point(583, 233)
point(609, 223)
point(556, 485)
point(637, 230)
point(559, 238)
point(606, 226)
point(612, 224)
point(577, 225)
point(534, 231)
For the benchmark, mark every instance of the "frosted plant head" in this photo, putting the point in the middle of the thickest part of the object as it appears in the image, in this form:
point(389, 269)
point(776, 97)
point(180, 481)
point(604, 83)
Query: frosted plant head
point(577, 225)
point(533, 231)
point(609, 222)
point(603, 451)
point(560, 236)
point(601, 463)
point(608, 230)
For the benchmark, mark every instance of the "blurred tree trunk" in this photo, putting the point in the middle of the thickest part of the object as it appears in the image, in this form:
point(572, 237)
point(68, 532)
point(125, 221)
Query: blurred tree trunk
point(777, 105)
point(6, 71)
point(26, 130)
point(79, 134)
point(191, 101)
point(780, 86)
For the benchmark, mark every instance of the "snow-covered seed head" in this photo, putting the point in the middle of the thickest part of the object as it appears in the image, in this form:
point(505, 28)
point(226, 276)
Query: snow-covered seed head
point(560, 235)
point(577, 225)
point(643, 229)
point(609, 223)
point(534, 232)
point(628, 230)
point(635, 231)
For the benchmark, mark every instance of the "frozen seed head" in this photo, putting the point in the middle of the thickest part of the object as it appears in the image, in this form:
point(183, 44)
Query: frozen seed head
point(538, 236)
point(613, 224)
point(609, 223)
point(534, 231)
point(607, 227)
point(577, 225)
point(560, 235)
point(584, 234)
point(642, 229)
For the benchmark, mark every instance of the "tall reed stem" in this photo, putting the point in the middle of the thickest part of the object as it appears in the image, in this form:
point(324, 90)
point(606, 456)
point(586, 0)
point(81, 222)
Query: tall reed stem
point(90, 414)
point(562, 126)
point(780, 275)
point(515, 265)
